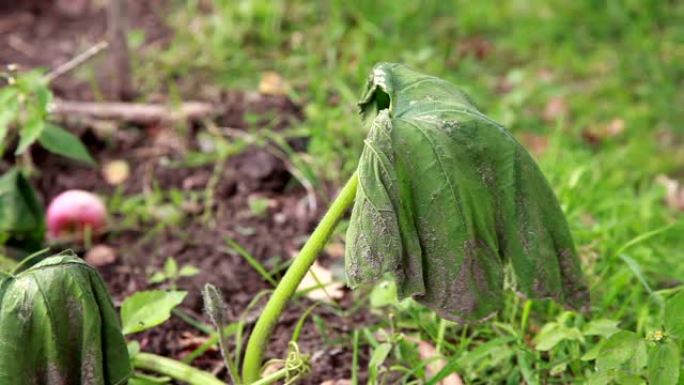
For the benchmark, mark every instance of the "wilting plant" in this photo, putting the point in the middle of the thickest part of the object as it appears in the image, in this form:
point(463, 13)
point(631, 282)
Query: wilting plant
point(445, 200)
point(58, 326)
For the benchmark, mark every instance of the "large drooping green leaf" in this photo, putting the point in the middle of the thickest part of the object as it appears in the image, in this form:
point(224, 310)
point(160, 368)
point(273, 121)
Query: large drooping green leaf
point(22, 222)
point(446, 198)
point(58, 326)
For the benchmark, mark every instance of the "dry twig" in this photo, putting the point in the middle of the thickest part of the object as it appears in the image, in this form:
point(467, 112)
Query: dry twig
point(132, 112)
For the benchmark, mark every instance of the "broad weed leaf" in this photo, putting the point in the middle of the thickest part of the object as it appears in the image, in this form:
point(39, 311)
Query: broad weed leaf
point(617, 350)
point(552, 334)
point(446, 197)
point(601, 327)
point(147, 309)
point(600, 378)
point(378, 357)
point(663, 364)
point(674, 315)
point(188, 271)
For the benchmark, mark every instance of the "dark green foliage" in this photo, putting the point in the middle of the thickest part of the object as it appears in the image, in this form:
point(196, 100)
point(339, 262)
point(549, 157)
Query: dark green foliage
point(22, 222)
point(58, 326)
point(60, 141)
point(447, 198)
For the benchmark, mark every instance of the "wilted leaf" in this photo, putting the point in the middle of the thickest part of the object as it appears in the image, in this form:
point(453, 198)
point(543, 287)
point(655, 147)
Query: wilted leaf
point(446, 196)
point(663, 364)
point(147, 309)
point(62, 142)
point(58, 326)
point(674, 315)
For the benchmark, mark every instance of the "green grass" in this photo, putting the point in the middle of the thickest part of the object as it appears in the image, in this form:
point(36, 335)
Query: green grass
point(607, 60)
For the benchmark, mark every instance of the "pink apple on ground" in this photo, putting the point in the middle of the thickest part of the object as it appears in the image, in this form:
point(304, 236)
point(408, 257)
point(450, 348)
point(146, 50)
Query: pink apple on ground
point(74, 212)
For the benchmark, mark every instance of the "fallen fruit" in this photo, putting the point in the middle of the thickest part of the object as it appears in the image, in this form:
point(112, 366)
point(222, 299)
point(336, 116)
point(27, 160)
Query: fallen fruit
point(74, 212)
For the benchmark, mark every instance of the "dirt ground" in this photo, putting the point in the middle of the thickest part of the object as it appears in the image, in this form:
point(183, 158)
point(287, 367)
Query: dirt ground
point(41, 34)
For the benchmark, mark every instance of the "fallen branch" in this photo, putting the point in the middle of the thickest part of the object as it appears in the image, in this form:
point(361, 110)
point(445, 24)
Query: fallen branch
point(132, 112)
point(76, 61)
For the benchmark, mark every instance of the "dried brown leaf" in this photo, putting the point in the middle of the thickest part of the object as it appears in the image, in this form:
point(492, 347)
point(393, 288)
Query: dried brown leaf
point(330, 289)
point(272, 83)
point(116, 172)
point(596, 135)
point(556, 107)
point(100, 255)
point(535, 143)
point(335, 249)
point(674, 192)
point(436, 361)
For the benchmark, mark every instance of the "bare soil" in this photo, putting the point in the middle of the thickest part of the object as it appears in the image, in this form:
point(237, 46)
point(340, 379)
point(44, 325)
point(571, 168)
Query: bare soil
point(36, 34)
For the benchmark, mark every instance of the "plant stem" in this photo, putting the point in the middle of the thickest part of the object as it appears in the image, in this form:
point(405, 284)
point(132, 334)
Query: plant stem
point(174, 369)
point(271, 378)
point(289, 283)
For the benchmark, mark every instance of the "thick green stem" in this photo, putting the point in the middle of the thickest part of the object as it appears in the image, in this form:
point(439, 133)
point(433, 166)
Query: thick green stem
point(289, 283)
point(174, 369)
